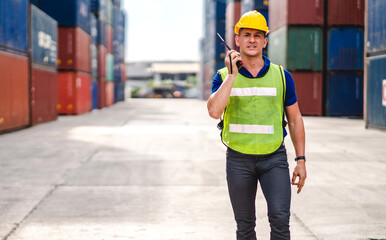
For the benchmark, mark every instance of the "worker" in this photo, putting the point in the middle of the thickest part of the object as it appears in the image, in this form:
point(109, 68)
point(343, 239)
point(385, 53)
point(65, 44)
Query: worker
point(254, 101)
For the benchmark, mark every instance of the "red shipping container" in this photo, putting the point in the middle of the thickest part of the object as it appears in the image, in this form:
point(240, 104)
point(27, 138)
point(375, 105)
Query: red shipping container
point(109, 93)
point(295, 12)
point(123, 69)
point(232, 14)
point(102, 93)
point(14, 92)
point(102, 51)
point(74, 49)
point(109, 38)
point(346, 12)
point(44, 94)
point(309, 92)
point(74, 93)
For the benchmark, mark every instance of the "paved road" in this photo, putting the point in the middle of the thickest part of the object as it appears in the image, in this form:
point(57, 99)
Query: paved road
point(155, 170)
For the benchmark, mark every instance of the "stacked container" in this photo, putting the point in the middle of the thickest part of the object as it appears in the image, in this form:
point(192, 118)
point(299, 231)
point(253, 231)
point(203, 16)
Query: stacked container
point(344, 60)
point(296, 43)
point(261, 6)
point(44, 76)
point(232, 16)
point(73, 63)
point(14, 84)
point(213, 50)
point(375, 65)
point(118, 52)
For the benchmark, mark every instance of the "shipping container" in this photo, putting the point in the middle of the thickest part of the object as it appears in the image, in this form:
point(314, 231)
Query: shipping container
point(74, 93)
point(376, 29)
point(74, 50)
point(123, 70)
point(117, 71)
point(345, 49)
point(109, 67)
point(309, 91)
point(94, 60)
point(44, 94)
point(345, 12)
point(98, 5)
point(376, 92)
point(44, 31)
point(118, 43)
point(14, 30)
point(119, 92)
point(69, 13)
point(297, 48)
point(296, 12)
point(14, 91)
point(93, 29)
point(109, 12)
point(344, 93)
point(216, 10)
point(109, 93)
point(232, 16)
point(109, 38)
point(117, 3)
point(101, 32)
point(249, 5)
point(102, 92)
point(102, 51)
point(94, 94)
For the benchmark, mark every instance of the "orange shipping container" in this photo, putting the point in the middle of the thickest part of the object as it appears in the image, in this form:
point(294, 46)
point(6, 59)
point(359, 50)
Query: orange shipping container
point(102, 92)
point(346, 12)
point(74, 92)
point(109, 39)
point(14, 94)
point(309, 92)
point(102, 51)
point(109, 93)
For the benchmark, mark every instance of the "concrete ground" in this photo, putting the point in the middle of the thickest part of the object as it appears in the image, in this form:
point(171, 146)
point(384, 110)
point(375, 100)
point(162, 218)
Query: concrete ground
point(155, 170)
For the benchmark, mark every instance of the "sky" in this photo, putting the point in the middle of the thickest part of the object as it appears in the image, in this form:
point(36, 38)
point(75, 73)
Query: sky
point(163, 29)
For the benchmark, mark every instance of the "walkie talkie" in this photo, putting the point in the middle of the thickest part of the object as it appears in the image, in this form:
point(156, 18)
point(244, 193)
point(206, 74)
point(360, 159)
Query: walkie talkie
point(239, 63)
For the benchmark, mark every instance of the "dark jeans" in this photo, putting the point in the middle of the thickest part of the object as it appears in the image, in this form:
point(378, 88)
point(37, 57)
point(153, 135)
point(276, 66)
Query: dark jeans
point(243, 173)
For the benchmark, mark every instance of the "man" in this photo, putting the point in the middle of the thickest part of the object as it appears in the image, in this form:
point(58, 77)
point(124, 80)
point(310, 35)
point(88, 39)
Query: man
point(253, 100)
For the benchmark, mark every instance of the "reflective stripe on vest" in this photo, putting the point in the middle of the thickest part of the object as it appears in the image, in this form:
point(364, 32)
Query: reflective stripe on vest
point(254, 115)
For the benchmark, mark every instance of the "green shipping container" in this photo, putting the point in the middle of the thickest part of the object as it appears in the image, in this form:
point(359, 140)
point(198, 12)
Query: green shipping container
point(297, 48)
point(109, 67)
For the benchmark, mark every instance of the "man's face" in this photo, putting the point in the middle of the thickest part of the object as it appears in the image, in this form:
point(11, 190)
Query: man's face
point(251, 42)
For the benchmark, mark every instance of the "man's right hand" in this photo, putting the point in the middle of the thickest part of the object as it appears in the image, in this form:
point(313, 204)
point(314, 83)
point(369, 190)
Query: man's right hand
point(235, 56)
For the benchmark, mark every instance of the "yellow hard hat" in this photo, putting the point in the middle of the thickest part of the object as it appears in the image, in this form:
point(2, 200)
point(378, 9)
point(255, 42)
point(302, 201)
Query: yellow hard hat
point(253, 20)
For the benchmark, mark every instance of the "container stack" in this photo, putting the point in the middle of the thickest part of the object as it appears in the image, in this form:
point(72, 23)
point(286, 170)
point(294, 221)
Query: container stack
point(44, 76)
point(119, 21)
point(375, 67)
point(14, 84)
point(213, 50)
point(344, 75)
point(232, 16)
point(261, 6)
point(74, 65)
point(296, 43)
point(94, 61)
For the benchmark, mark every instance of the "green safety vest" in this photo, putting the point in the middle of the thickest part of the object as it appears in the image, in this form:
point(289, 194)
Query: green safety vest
point(253, 118)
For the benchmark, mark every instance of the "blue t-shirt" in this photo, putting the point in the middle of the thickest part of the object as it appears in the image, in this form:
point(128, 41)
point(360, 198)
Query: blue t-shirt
point(290, 94)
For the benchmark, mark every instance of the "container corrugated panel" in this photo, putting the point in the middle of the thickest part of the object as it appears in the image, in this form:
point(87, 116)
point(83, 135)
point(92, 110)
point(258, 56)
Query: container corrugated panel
point(109, 12)
point(74, 93)
point(309, 91)
point(344, 94)
point(14, 30)
point(44, 94)
point(297, 48)
point(376, 91)
point(296, 12)
point(14, 91)
point(94, 60)
point(109, 87)
point(44, 33)
point(101, 92)
point(93, 29)
point(119, 92)
point(109, 38)
point(345, 49)
point(232, 16)
point(74, 49)
point(346, 12)
point(69, 13)
point(94, 94)
point(101, 32)
point(109, 67)
point(376, 28)
point(102, 51)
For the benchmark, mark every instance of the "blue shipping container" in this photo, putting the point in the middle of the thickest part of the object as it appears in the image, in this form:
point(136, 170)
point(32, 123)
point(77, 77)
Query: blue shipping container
point(117, 72)
point(94, 95)
point(44, 38)
point(94, 60)
point(119, 92)
point(69, 13)
point(93, 29)
point(249, 5)
point(344, 95)
point(376, 28)
point(345, 49)
point(376, 91)
point(101, 32)
point(14, 25)
point(98, 5)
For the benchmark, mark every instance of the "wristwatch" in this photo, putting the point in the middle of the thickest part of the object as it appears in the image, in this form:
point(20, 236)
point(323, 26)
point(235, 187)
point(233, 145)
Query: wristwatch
point(300, 158)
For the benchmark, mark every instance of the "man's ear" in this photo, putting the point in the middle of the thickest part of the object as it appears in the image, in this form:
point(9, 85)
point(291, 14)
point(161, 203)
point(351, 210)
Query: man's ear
point(265, 41)
point(237, 39)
